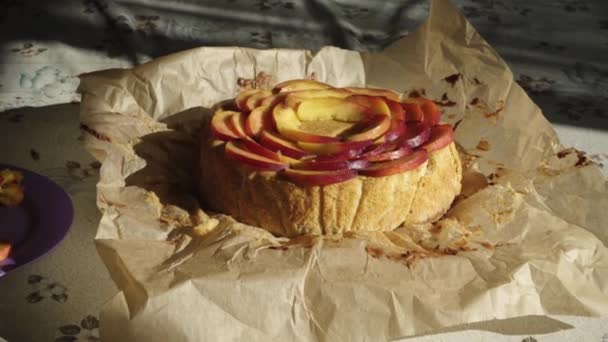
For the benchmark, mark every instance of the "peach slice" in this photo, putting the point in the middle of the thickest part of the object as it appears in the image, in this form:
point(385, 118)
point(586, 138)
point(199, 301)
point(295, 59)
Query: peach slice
point(396, 130)
point(258, 120)
point(396, 153)
point(416, 134)
point(392, 167)
point(312, 178)
point(373, 128)
point(256, 148)
point(389, 94)
point(293, 85)
point(256, 99)
point(293, 99)
point(319, 165)
point(441, 136)
point(272, 100)
point(236, 150)
point(5, 250)
point(413, 112)
point(374, 104)
point(353, 148)
point(331, 108)
point(396, 109)
point(422, 109)
point(241, 98)
point(236, 123)
point(277, 144)
point(287, 124)
point(219, 125)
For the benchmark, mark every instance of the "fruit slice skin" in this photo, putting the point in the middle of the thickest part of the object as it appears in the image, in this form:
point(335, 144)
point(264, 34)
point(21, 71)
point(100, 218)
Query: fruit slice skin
point(236, 150)
point(395, 131)
point(256, 148)
point(413, 112)
point(320, 178)
point(392, 167)
point(397, 111)
point(422, 109)
point(353, 148)
point(331, 165)
point(277, 144)
point(256, 99)
point(219, 125)
point(396, 153)
point(236, 123)
point(441, 136)
point(330, 108)
point(293, 85)
point(389, 94)
point(254, 124)
point(5, 250)
point(375, 126)
point(241, 99)
point(416, 134)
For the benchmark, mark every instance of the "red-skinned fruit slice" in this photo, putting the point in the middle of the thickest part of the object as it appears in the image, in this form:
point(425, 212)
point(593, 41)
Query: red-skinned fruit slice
point(236, 150)
point(352, 147)
point(256, 99)
point(396, 130)
point(416, 134)
point(277, 144)
point(241, 99)
point(432, 114)
point(396, 109)
point(341, 156)
point(254, 124)
point(392, 167)
point(5, 250)
point(413, 112)
point(371, 128)
point(389, 94)
point(331, 165)
point(236, 123)
point(256, 148)
point(320, 178)
point(396, 153)
point(441, 136)
point(219, 125)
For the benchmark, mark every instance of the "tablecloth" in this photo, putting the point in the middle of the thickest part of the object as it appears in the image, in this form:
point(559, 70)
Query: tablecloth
point(557, 49)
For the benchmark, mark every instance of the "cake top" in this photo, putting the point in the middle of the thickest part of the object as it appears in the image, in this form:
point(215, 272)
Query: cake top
point(314, 134)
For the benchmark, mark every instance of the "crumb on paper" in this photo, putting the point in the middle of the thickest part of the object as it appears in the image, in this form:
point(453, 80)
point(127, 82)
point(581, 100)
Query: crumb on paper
point(262, 80)
point(452, 79)
point(483, 145)
point(445, 101)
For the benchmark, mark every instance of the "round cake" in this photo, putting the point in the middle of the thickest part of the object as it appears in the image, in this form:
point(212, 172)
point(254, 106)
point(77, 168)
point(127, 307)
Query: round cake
point(309, 158)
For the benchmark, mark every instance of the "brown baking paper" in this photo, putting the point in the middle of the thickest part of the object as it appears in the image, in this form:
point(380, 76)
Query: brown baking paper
point(526, 237)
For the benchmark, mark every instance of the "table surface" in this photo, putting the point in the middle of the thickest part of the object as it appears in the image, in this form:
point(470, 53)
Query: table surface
point(558, 51)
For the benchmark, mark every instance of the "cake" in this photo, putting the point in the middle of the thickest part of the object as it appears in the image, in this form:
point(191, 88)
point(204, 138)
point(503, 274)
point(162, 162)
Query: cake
point(309, 158)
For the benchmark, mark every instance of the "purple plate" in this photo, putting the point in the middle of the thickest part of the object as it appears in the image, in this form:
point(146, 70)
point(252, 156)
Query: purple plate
point(38, 224)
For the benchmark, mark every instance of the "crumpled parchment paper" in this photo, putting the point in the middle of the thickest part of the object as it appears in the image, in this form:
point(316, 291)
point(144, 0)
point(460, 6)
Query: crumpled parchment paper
point(526, 236)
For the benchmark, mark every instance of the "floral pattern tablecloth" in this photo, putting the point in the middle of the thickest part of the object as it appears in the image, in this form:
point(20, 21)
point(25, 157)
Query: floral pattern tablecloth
point(557, 49)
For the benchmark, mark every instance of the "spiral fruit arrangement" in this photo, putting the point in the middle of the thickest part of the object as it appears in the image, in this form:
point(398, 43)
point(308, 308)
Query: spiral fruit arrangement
point(313, 135)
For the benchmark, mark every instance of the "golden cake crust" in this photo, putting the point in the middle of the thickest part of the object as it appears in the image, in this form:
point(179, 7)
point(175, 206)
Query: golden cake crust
point(360, 204)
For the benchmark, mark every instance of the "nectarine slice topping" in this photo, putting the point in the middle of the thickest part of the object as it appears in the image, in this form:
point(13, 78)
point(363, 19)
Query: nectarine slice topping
point(236, 150)
point(311, 178)
point(392, 167)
